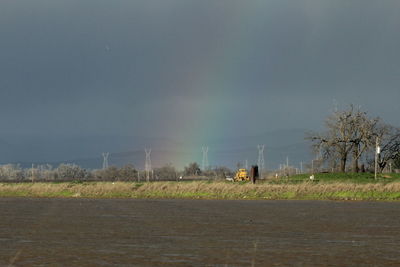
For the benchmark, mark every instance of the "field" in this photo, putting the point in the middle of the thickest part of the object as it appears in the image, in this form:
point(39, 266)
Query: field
point(325, 187)
point(186, 232)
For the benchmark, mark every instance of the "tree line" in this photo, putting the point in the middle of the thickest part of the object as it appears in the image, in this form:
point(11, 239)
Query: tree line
point(352, 136)
point(73, 172)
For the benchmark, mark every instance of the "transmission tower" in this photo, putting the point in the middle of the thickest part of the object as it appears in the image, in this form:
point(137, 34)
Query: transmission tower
point(205, 157)
point(261, 159)
point(105, 160)
point(148, 163)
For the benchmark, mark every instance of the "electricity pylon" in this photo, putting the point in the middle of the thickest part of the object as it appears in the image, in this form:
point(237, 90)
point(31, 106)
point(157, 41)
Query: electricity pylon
point(105, 160)
point(148, 163)
point(205, 157)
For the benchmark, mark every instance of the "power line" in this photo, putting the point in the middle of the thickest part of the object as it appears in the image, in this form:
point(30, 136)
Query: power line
point(105, 160)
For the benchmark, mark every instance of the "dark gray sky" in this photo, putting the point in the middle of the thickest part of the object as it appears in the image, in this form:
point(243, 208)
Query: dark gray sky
point(150, 67)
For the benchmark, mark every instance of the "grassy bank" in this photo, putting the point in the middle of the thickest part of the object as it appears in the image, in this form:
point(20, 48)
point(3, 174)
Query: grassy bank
point(359, 178)
point(207, 190)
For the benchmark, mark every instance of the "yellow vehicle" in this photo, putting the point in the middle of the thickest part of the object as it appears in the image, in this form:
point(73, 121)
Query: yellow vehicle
point(241, 175)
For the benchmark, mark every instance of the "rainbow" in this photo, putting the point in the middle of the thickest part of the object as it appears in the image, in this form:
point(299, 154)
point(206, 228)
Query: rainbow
point(215, 69)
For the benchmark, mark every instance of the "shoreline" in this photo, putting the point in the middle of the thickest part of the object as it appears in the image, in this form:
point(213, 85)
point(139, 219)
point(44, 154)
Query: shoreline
point(342, 191)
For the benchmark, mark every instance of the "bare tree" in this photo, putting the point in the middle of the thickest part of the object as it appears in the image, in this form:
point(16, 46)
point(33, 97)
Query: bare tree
point(336, 141)
point(112, 173)
point(396, 163)
point(11, 172)
point(389, 139)
point(364, 134)
point(222, 172)
point(71, 171)
point(167, 172)
point(192, 169)
point(128, 173)
point(350, 133)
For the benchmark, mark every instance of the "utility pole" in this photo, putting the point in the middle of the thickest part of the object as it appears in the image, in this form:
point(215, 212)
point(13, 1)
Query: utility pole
point(32, 173)
point(261, 159)
point(301, 167)
point(312, 166)
point(246, 164)
point(105, 160)
point(205, 157)
point(148, 163)
point(377, 152)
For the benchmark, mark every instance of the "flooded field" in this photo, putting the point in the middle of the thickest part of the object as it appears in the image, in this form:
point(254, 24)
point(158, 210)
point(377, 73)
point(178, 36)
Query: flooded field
point(125, 232)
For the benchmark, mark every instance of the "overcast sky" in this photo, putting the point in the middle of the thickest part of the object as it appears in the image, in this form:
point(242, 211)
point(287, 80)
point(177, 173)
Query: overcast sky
point(149, 67)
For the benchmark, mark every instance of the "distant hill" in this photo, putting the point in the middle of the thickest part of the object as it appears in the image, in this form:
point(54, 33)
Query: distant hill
point(86, 151)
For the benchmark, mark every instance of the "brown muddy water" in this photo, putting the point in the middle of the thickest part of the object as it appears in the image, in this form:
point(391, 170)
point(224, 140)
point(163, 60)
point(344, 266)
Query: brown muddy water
point(128, 232)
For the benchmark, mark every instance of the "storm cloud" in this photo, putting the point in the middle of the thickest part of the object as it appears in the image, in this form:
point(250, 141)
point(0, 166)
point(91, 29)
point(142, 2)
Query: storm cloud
point(150, 67)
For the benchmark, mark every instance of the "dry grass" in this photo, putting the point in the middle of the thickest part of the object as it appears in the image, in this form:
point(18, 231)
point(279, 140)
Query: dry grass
point(214, 190)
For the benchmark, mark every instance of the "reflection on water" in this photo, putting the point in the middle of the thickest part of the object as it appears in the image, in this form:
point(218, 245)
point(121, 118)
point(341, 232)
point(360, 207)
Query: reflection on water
point(198, 232)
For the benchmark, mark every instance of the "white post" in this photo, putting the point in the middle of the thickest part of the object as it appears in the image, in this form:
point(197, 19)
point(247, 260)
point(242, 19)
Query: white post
point(377, 151)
